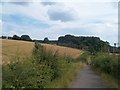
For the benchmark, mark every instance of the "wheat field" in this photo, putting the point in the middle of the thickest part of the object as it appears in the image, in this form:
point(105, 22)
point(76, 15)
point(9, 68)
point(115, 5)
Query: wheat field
point(23, 50)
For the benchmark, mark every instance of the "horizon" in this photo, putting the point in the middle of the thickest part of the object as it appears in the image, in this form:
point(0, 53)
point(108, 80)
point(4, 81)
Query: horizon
point(52, 39)
point(54, 19)
point(58, 38)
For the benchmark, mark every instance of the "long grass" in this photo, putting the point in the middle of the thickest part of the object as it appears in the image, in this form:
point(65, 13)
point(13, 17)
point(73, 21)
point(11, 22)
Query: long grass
point(45, 69)
point(12, 48)
point(68, 76)
point(110, 81)
point(108, 67)
point(23, 49)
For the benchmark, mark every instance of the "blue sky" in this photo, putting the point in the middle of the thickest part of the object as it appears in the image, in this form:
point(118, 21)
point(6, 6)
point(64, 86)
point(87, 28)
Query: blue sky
point(59, 17)
point(24, 21)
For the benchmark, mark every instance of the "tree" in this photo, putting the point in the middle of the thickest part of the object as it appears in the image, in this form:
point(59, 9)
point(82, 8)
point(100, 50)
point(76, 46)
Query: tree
point(10, 37)
point(92, 44)
point(4, 37)
point(46, 40)
point(15, 37)
point(26, 38)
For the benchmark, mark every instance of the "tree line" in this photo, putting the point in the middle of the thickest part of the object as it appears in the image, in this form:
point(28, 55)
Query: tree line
point(16, 37)
point(91, 44)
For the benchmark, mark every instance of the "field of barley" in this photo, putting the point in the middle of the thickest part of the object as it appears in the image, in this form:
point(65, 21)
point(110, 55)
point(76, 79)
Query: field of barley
point(22, 50)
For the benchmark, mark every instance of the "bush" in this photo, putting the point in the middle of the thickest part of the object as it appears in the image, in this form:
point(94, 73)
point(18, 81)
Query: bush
point(46, 40)
point(84, 57)
point(38, 72)
point(107, 63)
point(15, 37)
point(26, 38)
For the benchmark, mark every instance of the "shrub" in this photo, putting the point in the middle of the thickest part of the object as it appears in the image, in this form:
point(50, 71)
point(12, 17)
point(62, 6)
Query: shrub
point(44, 67)
point(26, 38)
point(46, 40)
point(84, 57)
point(107, 63)
point(15, 37)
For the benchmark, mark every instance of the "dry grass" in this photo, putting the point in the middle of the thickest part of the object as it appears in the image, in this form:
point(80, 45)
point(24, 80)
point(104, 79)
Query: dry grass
point(23, 49)
point(11, 48)
point(67, 79)
point(74, 53)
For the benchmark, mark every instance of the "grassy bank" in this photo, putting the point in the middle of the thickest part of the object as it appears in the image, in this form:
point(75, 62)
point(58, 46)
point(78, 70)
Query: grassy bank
point(67, 77)
point(109, 80)
point(107, 66)
point(45, 69)
point(23, 49)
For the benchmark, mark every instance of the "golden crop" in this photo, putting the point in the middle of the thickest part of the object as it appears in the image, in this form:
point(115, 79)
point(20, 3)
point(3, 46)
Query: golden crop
point(23, 50)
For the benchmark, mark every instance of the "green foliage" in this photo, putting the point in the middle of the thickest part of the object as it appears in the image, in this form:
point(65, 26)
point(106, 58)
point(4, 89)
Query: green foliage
point(68, 75)
point(49, 58)
point(23, 37)
point(3, 37)
point(26, 38)
point(38, 72)
point(107, 63)
point(83, 58)
point(15, 37)
point(91, 44)
point(26, 75)
point(46, 40)
point(37, 45)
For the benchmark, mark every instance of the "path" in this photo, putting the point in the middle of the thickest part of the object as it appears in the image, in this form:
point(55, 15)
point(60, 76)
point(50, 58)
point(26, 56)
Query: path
point(88, 79)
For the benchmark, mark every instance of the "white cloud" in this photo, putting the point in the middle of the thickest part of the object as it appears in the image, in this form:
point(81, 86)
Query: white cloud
point(60, 0)
point(0, 27)
point(98, 18)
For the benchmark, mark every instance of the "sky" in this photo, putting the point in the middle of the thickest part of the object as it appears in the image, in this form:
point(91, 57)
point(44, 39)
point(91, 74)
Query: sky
point(54, 18)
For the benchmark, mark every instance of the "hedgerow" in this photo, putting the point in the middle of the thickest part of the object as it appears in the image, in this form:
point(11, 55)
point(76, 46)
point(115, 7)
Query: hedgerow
point(107, 63)
point(37, 72)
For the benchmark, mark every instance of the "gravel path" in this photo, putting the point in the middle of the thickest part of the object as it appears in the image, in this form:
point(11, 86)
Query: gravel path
point(88, 79)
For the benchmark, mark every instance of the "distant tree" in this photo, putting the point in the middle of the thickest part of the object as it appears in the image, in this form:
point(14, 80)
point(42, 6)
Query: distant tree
point(118, 49)
point(26, 38)
point(15, 37)
point(92, 44)
point(10, 37)
point(46, 40)
point(4, 37)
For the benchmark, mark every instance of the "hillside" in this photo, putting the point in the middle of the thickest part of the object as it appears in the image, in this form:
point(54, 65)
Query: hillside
point(92, 44)
point(23, 49)
point(13, 48)
point(89, 43)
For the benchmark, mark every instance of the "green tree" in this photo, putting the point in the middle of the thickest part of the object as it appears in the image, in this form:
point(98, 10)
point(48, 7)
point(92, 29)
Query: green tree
point(26, 38)
point(4, 37)
point(15, 37)
point(92, 44)
point(46, 40)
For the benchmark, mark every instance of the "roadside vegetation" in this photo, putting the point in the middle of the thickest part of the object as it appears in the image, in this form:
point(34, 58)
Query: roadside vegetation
point(45, 69)
point(85, 57)
point(23, 50)
point(104, 64)
point(52, 66)
point(108, 67)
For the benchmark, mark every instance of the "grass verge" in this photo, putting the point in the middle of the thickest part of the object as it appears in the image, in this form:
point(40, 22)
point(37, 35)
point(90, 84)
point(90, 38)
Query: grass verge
point(110, 81)
point(68, 76)
point(45, 69)
point(107, 66)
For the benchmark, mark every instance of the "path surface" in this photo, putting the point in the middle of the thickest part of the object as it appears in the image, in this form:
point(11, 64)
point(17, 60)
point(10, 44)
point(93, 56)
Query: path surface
point(88, 79)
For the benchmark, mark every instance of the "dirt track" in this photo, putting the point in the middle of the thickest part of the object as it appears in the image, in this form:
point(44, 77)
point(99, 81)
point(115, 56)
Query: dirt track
point(88, 79)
